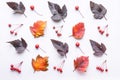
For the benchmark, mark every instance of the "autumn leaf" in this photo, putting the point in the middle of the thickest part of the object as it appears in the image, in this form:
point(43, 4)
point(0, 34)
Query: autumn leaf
point(81, 63)
point(78, 30)
point(40, 64)
point(19, 45)
point(99, 49)
point(98, 10)
point(38, 28)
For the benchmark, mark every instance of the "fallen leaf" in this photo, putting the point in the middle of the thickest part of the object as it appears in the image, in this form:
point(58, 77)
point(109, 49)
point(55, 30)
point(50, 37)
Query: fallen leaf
point(99, 49)
point(98, 10)
point(40, 64)
point(58, 13)
point(81, 63)
point(62, 48)
point(78, 30)
point(18, 8)
point(19, 45)
point(38, 28)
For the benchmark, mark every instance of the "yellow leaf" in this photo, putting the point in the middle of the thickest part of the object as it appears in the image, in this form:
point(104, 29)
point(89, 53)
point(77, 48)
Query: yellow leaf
point(40, 64)
point(38, 28)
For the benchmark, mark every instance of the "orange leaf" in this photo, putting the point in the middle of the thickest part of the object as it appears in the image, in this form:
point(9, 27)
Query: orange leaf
point(38, 28)
point(78, 31)
point(40, 64)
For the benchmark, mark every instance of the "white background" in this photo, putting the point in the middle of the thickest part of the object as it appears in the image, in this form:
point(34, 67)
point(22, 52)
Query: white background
point(8, 54)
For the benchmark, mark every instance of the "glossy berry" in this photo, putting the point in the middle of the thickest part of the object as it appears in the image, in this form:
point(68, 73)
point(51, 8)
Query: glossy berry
point(54, 67)
point(98, 27)
point(11, 65)
point(9, 25)
point(53, 27)
point(76, 8)
point(60, 70)
point(11, 32)
point(106, 70)
point(59, 34)
point(37, 46)
point(77, 44)
point(107, 35)
point(32, 7)
point(15, 33)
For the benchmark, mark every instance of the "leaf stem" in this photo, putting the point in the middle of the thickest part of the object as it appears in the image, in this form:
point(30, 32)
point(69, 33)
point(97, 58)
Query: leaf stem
point(105, 18)
point(25, 15)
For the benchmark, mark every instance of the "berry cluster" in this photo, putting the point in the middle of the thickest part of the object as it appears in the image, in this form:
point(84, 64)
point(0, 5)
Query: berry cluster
point(77, 44)
point(59, 69)
point(14, 30)
point(32, 7)
point(77, 9)
point(14, 68)
point(103, 67)
point(58, 30)
point(102, 31)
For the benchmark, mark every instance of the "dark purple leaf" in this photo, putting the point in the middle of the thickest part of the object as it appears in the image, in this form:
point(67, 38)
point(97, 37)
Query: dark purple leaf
point(19, 45)
point(57, 12)
point(98, 49)
point(98, 10)
point(18, 8)
point(62, 48)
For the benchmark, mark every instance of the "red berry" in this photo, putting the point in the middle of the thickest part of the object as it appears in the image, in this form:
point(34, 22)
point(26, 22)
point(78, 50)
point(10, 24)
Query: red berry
point(15, 33)
point(60, 70)
point(77, 8)
point(54, 67)
point(77, 44)
point(11, 32)
point(98, 27)
point(32, 7)
point(53, 27)
point(9, 25)
point(37, 46)
point(59, 34)
point(56, 31)
point(106, 70)
point(11, 65)
point(107, 35)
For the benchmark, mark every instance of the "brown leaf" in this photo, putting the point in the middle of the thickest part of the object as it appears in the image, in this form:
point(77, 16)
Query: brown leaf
point(40, 64)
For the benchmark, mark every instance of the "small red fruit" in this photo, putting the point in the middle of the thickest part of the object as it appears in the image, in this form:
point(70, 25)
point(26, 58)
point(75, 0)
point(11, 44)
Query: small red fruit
point(98, 27)
point(53, 27)
point(107, 35)
point(77, 8)
point(9, 25)
point(32, 7)
point(59, 34)
point(37, 46)
point(77, 44)
point(54, 67)
point(15, 33)
point(11, 32)
point(11, 65)
point(106, 70)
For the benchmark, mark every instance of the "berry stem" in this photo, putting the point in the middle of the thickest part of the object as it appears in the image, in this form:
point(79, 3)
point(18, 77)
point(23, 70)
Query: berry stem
point(105, 18)
point(37, 13)
point(43, 50)
point(18, 27)
point(81, 50)
point(81, 13)
point(25, 15)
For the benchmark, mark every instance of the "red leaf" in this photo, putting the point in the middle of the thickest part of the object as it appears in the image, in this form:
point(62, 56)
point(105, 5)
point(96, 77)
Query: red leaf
point(81, 63)
point(78, 30)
